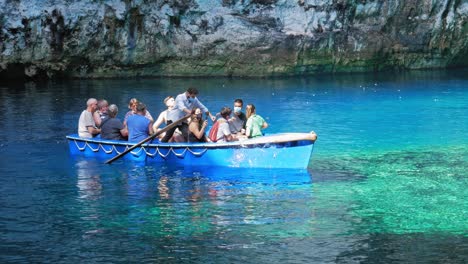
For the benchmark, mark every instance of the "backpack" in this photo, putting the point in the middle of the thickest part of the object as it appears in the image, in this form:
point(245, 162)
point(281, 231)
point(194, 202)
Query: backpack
point(214, 132)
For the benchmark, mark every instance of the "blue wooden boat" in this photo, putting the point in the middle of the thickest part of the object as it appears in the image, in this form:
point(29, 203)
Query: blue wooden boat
point(287, 150)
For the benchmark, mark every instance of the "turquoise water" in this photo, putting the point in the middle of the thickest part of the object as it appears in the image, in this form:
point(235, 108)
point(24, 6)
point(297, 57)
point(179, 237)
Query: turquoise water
point(387, 181)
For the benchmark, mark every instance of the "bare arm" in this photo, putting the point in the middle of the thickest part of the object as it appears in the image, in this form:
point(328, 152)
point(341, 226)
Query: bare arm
point(199, 133)
point(97, 118)
point(212, 117)
point(150, 128)
point(265, 125)
point(161, 119)
point(248, 128)
point(230, 138)
point(124, 132)
point(93, 130)
point(148, 115)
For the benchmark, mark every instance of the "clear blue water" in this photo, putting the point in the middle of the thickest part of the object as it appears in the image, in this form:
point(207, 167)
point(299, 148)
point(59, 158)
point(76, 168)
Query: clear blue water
point(387, 181)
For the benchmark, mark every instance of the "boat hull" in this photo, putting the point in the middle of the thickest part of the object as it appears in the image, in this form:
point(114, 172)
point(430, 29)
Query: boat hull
point(292, 150)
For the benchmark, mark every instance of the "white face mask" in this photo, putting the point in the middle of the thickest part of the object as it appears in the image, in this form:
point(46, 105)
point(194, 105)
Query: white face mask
point(191, 100)
point(237, 109)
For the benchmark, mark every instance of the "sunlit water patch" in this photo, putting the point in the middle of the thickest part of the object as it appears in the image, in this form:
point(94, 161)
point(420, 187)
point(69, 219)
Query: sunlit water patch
point(418, 190)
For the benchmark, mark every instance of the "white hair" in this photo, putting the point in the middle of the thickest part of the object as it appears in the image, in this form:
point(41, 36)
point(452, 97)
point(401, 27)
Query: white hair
point(91, 101)
point(113, 110)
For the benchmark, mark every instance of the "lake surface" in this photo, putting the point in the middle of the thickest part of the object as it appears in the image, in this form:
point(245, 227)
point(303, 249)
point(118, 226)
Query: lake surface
point(387, 181)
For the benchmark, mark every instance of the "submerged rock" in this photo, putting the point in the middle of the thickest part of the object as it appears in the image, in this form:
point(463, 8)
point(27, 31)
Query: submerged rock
point(122, 38)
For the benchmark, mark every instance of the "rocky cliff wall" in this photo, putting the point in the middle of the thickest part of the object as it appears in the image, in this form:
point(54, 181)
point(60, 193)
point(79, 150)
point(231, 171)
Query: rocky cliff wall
point(124, 38)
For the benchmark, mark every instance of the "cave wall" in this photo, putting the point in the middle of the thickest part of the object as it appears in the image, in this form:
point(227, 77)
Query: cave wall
point(124, 38)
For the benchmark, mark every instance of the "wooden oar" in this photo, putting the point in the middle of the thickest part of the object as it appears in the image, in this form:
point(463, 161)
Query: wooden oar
point(176, 123)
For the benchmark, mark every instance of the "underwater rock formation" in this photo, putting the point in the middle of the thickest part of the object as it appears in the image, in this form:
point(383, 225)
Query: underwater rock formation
point(125, 38)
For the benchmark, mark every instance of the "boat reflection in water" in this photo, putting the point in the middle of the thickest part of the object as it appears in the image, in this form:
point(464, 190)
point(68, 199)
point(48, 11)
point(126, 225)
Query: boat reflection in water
point(138, 177)
point(88, 180)
point(178, 201)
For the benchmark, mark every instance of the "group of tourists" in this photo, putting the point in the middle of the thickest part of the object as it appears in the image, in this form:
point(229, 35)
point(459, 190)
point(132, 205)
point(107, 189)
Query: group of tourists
point(100, 119)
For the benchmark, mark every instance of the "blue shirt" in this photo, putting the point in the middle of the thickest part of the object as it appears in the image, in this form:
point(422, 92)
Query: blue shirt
point(137, 128)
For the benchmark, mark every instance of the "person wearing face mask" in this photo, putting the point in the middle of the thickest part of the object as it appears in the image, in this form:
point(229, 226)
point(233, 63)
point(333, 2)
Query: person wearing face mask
point(184, 103)
point(238, 120)
point(197, 127)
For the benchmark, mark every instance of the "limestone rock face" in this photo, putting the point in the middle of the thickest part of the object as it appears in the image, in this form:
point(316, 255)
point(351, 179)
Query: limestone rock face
point(125, 38)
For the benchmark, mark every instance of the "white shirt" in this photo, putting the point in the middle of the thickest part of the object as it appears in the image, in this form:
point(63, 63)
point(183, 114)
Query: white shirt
point(86, 120)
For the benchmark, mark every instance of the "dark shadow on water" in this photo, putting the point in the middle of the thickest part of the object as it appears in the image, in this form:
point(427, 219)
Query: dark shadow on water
point(408, 248)
point(320, 175)
point(336, 170)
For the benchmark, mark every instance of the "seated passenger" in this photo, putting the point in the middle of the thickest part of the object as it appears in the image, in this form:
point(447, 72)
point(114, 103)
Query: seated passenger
point(132, 106)
point(255, 123)
point(86, 125)
point(112, 128)
point(101, 113)
point(197, 127)
point(139, 127)
point(238, 120)
point(162, 118)
point(224, 133)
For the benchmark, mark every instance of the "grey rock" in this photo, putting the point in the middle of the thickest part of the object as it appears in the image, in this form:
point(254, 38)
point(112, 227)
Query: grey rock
point(121, 38)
